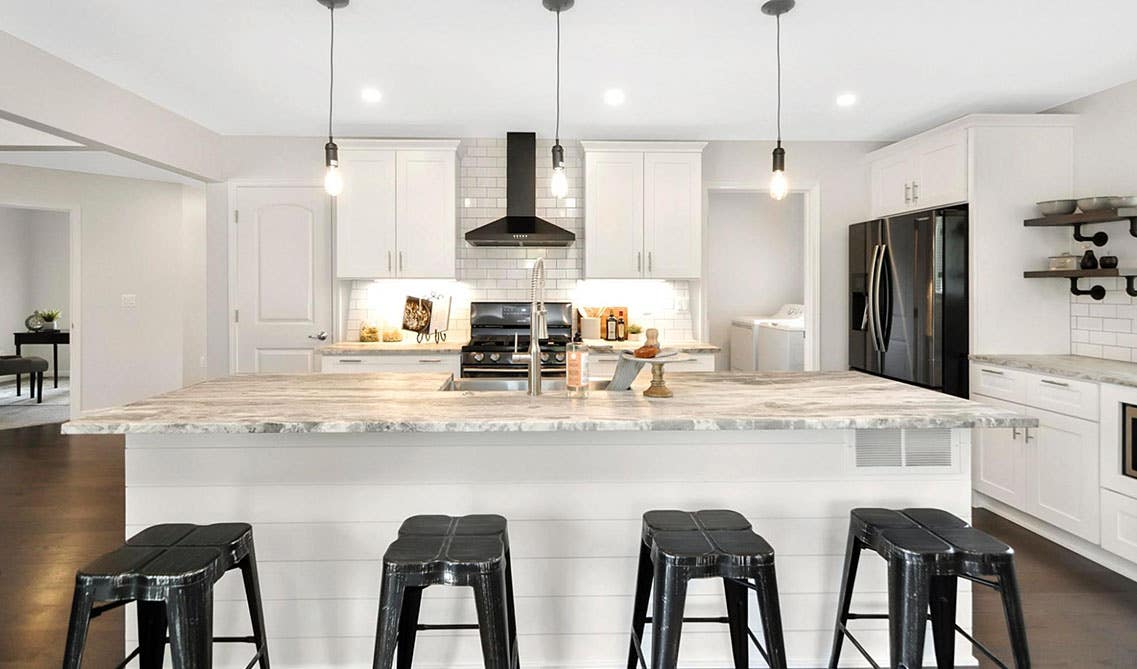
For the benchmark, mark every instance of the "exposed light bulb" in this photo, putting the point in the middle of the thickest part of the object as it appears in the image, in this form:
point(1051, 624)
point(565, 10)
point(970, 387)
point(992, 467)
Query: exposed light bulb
point(559, 184)
point(333, 181)
point(779, 186)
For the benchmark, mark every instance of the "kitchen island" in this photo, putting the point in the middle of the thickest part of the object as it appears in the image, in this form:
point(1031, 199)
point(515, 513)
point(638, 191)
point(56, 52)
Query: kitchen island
point(326, 467)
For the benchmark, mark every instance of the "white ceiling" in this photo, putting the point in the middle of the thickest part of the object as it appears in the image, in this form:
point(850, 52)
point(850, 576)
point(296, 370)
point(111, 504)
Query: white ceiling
point(690, 69)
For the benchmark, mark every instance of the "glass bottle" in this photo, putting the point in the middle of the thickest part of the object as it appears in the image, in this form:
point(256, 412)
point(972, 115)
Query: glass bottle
point(576, 369)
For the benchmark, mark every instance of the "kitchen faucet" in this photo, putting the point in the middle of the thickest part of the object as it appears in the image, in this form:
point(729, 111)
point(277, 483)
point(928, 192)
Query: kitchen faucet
point(538, 326)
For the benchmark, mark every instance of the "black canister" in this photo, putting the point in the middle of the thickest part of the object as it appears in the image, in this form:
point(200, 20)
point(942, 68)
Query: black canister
point(1089, 260)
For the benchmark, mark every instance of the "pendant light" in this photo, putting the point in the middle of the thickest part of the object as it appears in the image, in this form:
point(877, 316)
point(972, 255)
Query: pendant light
point(779, 186)
point(333, 180)
point(558, 186)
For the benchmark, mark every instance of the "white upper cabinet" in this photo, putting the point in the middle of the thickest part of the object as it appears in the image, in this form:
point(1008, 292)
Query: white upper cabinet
point(926, 171)
point(643, 210)
point(396, 215)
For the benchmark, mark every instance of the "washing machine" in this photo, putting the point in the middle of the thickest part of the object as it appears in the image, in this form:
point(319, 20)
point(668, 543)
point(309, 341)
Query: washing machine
point(781, 347)
point(745, 332)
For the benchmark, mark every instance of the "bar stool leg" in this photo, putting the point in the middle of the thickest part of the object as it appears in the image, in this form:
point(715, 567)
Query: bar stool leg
point(81, 604)
point(256, 608)
point(515, 660)
point(190, 613)
point(493, 619)
point(639, 607)
point(151, 634)
point(390, 605)
point(771, 611)
point(907, 612)
point(943, 597)
point(848, 578)
point(736, 613)
point(1013, 608)
point(667, 615)
point(408, 627)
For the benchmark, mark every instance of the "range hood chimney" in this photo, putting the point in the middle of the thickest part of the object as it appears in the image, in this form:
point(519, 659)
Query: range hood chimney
point(520, 227)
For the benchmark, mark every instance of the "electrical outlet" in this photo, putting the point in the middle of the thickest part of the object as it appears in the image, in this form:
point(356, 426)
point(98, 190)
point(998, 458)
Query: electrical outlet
point(129, 300)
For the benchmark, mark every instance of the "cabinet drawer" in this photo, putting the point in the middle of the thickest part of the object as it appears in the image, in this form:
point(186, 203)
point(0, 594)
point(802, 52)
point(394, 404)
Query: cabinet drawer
point(1065, 396)
point(699, 362)
point(1119, 524)
point(999, 382)
point(362, 364)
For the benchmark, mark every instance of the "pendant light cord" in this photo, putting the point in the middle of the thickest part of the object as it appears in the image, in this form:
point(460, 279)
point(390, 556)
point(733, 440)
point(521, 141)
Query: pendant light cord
point(331, 68)
point(778, 43)
point(557, 132)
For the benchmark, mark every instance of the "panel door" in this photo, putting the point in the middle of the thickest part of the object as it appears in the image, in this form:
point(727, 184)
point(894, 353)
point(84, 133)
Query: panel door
point(365, 215)
point(941, 171)
point(1062, 474)
point(673, 215)
point(614, 215)
point(284, 280)
point(998, 461)
point(892, 184)
point(427, 226)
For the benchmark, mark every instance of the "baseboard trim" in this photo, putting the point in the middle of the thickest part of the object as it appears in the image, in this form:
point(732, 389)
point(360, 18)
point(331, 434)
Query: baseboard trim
point(1088, 550)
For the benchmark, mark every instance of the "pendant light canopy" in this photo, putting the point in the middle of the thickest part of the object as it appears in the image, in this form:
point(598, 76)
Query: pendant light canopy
point(558, 186)
point(333, 180)
point(779, 185)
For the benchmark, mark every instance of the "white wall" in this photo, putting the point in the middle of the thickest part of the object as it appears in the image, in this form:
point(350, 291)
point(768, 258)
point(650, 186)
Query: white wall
point(755, 256)
point(14, 263)
point(133, 240)
point(41, 240)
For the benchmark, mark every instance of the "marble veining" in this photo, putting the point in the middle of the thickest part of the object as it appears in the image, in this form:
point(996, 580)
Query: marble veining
point(1069, 366)
point(384, 402)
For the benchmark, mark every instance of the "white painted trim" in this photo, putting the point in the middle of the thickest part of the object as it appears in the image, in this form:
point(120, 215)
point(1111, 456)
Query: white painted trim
point(811, 228)
point(1063, 538)
point(645, 146)
point(353, 143)
point(976, 121)
point(74, 216)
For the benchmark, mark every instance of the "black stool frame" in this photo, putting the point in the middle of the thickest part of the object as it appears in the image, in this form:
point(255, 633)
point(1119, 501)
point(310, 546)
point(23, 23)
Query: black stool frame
point(927, 551)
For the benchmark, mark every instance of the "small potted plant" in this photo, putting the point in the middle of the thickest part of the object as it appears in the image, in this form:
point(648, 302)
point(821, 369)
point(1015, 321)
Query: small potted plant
point(50, 318)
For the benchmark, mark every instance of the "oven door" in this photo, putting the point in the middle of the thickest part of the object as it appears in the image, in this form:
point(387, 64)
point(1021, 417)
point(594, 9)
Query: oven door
point(508, 372)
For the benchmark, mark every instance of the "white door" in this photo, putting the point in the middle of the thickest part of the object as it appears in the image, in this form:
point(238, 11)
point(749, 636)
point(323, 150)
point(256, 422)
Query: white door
point(673, 215)
point(284, 287)
point(614, 215)
point(999, 460)
point(1062, 474)
point(892, 185)
point(365, 215)
point(941, 171)
point(426, 219)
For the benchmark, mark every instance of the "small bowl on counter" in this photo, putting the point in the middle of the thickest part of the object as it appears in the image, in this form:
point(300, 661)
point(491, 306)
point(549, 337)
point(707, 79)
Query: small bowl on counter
point(1094, 204)
point(1057, 207)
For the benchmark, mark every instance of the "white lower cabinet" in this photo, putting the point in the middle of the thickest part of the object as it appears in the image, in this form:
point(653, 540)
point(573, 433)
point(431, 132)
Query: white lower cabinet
point(1062, 473)
point(999, 461)
point(603, 365)
point(1119, 524)
point(363, 364)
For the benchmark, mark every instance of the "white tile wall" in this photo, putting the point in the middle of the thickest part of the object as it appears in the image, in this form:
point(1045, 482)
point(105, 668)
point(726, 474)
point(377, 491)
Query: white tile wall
point(503, 274)
point(1105, 329)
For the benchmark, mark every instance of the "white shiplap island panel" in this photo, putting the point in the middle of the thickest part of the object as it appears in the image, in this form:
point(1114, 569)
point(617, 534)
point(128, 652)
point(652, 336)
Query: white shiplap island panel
point(324, 506)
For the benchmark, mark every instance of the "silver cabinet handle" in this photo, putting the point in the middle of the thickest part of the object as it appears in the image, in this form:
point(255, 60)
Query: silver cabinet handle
point(1014, 433)
point(426, 360)
point(400, 261)
point(907, 193)
point(639, 261)
point(649, 263)
point(322, 335)
point(389, 267)
point(1060, 384)
point(915, 193)
point(992, 371)
point(1026, 431)
point(350, 360)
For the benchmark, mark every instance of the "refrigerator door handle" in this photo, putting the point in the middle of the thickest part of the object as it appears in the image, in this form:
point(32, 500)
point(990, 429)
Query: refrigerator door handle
point(870, 308)
point(878, 330)
point(884, 319)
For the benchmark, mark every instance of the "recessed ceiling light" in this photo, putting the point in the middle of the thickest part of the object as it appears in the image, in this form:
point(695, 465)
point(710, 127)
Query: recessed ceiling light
point(614, 97)
point(846, 99)
point(371, 95)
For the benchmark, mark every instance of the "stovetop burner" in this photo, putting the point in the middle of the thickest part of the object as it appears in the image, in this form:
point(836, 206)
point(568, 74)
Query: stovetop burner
point(500, 329)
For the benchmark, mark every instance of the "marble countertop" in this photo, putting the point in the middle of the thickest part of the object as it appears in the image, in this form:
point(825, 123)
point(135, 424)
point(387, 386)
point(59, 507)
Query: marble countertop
point(386, 402)
point(1069, 366)
point(685, 346)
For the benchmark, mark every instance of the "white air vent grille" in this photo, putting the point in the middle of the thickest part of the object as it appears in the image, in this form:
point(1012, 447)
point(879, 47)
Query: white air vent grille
point(903, 448)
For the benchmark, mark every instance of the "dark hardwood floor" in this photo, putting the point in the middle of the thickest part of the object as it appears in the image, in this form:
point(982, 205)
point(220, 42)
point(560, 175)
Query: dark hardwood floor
point(62, 503)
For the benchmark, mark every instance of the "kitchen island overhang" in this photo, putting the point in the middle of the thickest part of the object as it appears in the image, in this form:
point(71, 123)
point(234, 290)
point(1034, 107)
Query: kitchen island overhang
point(326, 466)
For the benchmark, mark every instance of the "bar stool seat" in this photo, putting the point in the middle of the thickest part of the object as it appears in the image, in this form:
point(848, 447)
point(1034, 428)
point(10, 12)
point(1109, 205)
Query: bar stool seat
point(677, 546)
point(169, 571)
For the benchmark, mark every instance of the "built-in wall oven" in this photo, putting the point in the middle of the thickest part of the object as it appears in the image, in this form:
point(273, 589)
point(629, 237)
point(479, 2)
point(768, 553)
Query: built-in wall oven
point(1129, 440)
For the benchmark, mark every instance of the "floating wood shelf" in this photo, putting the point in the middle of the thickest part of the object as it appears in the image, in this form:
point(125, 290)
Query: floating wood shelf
point(1096, 292)
point(1078, 220)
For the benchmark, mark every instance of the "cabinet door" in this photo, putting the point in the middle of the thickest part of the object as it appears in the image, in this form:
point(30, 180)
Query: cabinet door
point(614, 215)
point(891, 185)
point(941, 171)
point(1062, 473)
point(427, 226)
point(673, 215)
point(365, 215)
point(998, 462)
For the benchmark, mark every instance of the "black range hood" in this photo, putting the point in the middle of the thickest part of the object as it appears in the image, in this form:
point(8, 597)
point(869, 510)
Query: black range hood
point(520, 227)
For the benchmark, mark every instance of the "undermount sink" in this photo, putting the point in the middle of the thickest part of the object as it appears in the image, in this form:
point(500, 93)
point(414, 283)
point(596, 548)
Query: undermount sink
point(519, 385)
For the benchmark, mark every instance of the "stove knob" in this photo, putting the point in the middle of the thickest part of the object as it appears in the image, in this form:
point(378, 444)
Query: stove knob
point(544, 357)
point(560, 357)
point(494, 357)
point(479, 356)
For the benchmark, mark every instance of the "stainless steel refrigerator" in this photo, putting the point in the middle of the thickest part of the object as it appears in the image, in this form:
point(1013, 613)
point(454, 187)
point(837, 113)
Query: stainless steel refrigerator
point(908, 298)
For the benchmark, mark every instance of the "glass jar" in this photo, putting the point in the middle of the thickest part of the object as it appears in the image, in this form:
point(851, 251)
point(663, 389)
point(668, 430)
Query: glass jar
point(576, 369)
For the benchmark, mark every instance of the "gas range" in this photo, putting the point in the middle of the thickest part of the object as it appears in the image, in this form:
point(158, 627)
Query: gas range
point(498, 330)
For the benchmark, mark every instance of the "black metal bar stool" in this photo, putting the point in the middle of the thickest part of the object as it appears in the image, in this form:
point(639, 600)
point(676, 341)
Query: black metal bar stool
point(927, 551)
point(678, 546)
point(468, 551)
point(169, 570)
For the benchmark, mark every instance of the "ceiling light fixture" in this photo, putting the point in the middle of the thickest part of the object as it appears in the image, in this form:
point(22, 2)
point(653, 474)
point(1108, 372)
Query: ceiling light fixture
point(614, 97)
point(779, 186)
point(333, 180)
point(558, 186)
point(846, 99)
point(371, 95)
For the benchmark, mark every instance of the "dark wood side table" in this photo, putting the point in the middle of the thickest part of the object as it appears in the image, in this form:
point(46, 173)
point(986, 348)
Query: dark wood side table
point(53, 337)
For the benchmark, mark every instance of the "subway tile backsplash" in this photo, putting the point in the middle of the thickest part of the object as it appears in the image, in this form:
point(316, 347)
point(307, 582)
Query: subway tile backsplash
point(1105, 329)
point(486, 273)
